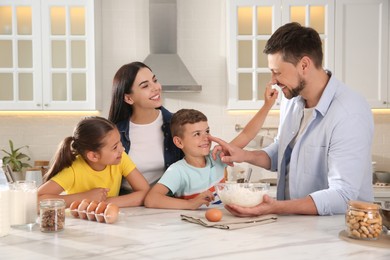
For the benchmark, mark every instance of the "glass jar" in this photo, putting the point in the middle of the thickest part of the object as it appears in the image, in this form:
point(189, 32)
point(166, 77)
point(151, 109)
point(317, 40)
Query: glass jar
point(363, 220)
point(52, 213)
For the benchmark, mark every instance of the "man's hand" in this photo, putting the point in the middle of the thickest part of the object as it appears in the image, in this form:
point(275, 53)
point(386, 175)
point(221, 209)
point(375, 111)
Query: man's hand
point(228, 153)
point(266, 207)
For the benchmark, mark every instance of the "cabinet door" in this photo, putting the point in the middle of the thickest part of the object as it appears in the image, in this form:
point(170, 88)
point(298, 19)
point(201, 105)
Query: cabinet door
point(20, 56)
point(318, 14)
point(47, 54)
point(251, 24)
point(68, 56)
point(362, 48)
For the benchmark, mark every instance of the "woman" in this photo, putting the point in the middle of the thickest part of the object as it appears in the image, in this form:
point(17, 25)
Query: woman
point(143, 123)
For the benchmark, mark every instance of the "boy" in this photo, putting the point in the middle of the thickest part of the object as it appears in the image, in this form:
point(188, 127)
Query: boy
point(188, 183)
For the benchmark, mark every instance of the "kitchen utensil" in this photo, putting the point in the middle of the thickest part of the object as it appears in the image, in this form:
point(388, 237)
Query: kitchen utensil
point(271, 181)
point(385, 213)
point(248, 175)
point(363, 220)
point(382, 177)
point(242, 194)
point(43, 165)
point(15, 176)
point(8, 173)
point(52, 214)
point(238, 173)
point(34, 174)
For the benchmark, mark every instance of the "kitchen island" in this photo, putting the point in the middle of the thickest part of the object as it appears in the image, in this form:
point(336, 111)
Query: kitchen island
point(142, 233)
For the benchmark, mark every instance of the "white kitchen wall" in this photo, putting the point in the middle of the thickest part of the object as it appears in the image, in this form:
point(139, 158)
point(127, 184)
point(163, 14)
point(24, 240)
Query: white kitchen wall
point(201, 45)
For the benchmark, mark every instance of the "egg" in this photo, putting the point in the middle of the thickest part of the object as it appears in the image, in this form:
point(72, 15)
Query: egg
point(99, 211)
point(91, 210)
point(111, 213)
point(82, 208)
point(73, 208)
point(213, 215)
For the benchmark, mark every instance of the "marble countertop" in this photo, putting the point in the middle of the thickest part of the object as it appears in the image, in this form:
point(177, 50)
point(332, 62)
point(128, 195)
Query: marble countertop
point(142, 233)
point(381, 193)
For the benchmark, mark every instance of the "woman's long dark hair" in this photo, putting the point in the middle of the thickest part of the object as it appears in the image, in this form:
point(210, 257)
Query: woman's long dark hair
point(122, 84)
point(87, 136)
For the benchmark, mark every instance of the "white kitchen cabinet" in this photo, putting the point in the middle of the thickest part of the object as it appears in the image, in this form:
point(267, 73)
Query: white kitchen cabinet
point(49, 51)
point(251, 23)
point(362, 48)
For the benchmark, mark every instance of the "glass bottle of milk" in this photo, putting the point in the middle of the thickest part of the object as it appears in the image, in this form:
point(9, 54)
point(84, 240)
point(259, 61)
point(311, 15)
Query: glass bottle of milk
point(23, 203)
point(4, 203)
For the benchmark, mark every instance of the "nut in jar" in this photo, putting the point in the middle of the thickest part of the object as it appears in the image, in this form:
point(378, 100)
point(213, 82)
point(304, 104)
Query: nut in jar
point(52, 214)
point(363, 220)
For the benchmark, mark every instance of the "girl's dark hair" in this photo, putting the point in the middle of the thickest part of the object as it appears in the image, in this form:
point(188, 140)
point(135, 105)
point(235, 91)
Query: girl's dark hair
point(183, 117)
point(295, 41)
point(87, 136)
point(122, 84)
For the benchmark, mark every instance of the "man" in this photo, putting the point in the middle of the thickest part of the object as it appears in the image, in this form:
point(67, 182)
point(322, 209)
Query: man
point(323, 149)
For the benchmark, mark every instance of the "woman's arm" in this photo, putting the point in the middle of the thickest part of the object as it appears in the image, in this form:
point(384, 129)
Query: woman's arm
point(140, 188)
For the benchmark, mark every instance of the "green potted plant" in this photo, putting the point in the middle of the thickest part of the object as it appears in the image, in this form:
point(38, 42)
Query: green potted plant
point(16, 160)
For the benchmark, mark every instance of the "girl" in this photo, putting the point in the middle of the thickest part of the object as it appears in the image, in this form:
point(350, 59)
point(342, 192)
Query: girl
point(136, 109)
point(90, 165)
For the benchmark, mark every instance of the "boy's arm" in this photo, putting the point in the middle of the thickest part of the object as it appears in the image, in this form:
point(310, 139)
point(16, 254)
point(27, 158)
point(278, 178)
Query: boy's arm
point(157, 198)
point(253, 127)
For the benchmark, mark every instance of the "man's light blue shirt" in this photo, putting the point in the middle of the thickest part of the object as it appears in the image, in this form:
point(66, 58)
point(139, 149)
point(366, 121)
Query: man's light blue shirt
point(331, 161)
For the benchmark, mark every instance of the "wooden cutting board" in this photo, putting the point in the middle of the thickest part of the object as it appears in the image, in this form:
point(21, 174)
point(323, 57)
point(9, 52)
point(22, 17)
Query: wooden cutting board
point(382, 241)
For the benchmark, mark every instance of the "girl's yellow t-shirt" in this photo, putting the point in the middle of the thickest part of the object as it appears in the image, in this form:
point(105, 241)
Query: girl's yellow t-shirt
point(80, 177)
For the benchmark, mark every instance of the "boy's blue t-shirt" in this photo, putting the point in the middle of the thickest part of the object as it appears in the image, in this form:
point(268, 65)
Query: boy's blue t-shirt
point(186, 181)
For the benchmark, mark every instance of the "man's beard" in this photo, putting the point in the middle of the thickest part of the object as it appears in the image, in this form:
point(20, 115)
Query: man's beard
point(294, 92)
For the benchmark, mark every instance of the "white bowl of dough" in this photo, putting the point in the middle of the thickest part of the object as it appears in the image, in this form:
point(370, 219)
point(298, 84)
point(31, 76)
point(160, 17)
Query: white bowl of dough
point(242, 194)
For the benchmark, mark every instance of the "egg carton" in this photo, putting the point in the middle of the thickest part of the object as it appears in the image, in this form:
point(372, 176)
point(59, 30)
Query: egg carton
point(92, 216)
point(93, 211)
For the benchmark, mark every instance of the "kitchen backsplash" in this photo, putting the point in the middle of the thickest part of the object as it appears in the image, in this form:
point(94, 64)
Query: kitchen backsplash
point(43, 133)
point(201, 44)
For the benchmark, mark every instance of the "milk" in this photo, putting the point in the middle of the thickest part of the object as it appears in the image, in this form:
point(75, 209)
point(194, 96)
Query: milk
point(4, 213)
point(23, 203)
point(4, 203)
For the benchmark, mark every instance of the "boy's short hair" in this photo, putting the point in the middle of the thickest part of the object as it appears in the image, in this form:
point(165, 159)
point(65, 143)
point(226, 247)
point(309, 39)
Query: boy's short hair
point(183, 117)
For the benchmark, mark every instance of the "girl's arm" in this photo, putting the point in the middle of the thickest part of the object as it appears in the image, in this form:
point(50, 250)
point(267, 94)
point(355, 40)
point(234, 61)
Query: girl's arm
point(140, 188)
point(253, 127)
point(52, 190)
point(157, 198)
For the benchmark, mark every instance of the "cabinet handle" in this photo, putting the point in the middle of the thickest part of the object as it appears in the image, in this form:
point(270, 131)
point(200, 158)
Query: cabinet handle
point(46, 105)
point(384, 102)
point(38, 105)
